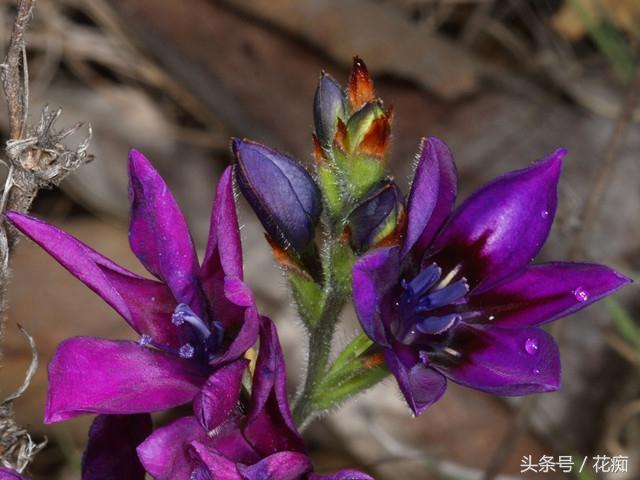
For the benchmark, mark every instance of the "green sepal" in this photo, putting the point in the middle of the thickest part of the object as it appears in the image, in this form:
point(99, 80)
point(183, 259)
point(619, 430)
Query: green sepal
point(330, 187)
point(342, 262)
point(356, 369)
point(361, 174)
point(308, 297)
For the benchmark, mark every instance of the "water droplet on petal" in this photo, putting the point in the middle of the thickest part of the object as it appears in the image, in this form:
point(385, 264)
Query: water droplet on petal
point(531, 346)
point(544, 213)
point(186, 350)
point(492, 318)
point(581, 294)
point(536, 371)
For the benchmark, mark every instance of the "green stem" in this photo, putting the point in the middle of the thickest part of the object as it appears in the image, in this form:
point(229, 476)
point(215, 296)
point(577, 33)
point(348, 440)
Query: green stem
point(320, 336)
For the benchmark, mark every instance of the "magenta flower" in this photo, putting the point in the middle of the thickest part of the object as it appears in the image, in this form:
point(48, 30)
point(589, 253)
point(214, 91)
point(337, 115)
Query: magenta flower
point(9, 474)
point(196, 319)
point(223, 442)
point(458, 299)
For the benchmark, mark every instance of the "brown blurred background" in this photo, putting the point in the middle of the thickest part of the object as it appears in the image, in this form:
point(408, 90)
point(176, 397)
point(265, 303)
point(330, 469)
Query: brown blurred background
point(503, 82)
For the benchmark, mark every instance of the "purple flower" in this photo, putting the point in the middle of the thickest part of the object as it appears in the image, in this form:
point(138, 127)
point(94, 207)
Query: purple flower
point(232, 437)
point(458, 299)
point(197, 318)
point(9, 474)
point(281, 192)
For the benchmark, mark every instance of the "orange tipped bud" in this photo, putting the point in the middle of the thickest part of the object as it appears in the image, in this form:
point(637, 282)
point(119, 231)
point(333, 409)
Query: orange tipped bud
point(376, 140)
point(360, 90)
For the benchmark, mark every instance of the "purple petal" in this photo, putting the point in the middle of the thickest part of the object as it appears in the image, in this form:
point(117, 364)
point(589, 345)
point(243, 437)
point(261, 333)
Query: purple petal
point(164, 454)
point(244, 338)
point(93, 375)
point(224, 234)
point(373, 275)
point(279, 466)
point(222, 468)
point(145, 304)
point(219, 395)
point(420, 385)
point(223, 257)
point(342, 475)
point(502, 361)
point(433, 193)
point(111, 450)
point(270, 427)
point(159, 235)
point(9, 474)
point(543, 293)
point(501, 227)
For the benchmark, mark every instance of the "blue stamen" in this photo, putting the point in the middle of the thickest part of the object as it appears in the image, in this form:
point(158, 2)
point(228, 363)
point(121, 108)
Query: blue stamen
point(437, 325)
point(444, 296)
point(183, 314)
point(423, 281)
point(422, 296)
point(187, 351)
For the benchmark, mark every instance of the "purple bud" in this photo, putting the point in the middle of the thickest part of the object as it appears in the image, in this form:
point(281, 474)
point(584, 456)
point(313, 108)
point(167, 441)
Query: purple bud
point(328, 105)
point(281, 192)
point(376, 217)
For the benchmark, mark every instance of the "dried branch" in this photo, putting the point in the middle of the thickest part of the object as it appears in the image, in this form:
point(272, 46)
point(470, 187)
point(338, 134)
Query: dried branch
point(36, 157)
point(17, 449)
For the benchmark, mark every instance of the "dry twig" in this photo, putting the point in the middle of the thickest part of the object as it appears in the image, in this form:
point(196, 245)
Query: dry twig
point(36, 158)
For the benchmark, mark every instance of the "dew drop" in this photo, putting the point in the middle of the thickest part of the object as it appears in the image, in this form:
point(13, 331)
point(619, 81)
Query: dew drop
point(581, 294)
point(544, 213)
point(186, 350)
point(536, 371)
point(531, 346)
point(492, 318)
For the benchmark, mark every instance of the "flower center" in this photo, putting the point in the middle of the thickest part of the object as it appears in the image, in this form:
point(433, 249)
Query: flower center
point(204, 342)
point(420, 300)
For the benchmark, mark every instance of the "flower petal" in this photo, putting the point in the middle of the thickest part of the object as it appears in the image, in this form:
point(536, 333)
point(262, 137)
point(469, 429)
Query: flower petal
point(219, 395)
point(145, 304)
point(420, 385)
point(502, 361)
point(111, 450)
point(543, 293)
point(372, 277)
point(159, 235)
point(279, 466)
point(245, 337)
point(501, 227)
point(223, 468)
point(269, 426)
point(342, 475)
point(164, 454)
point(93, 375)
point(223, 256)
point(9, 474)
point(433, 193)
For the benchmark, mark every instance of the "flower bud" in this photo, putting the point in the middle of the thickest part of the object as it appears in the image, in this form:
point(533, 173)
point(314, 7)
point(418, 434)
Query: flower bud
point(281, 192)
point(360, 89)
point(328, 105)
point(376, 218)
point(365, 126)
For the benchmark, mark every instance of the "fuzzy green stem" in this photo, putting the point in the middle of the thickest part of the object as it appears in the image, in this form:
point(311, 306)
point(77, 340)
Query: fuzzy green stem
point(320, 335)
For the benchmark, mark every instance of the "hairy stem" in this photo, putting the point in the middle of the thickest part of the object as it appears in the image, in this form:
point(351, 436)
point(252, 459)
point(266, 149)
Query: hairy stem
point(320, 336)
